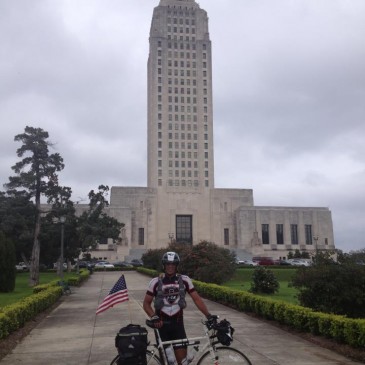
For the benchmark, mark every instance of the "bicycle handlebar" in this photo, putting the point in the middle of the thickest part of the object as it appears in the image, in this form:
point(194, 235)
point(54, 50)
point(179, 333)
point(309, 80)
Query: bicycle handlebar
point(211, 322)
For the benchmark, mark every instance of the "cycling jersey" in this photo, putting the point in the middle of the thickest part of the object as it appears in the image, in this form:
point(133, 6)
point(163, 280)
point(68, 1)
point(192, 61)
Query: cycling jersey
point(170, 290)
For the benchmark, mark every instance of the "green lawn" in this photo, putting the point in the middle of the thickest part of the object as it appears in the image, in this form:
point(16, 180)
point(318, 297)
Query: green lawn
point(242, 281)
point(22, 289)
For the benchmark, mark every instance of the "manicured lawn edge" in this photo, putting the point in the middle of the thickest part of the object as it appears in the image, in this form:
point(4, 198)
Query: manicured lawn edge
point(340, 328)
point(14, 316)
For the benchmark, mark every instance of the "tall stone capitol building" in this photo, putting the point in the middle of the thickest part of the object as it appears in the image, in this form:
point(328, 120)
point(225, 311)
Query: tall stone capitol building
point(180, 202)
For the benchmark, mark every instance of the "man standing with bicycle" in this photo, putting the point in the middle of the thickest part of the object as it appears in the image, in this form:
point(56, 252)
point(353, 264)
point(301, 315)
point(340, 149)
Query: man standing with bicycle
point(168, 294)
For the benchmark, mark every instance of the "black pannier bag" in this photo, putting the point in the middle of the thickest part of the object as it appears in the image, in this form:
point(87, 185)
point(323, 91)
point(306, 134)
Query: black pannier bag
point(131, 342)
point(224, 332)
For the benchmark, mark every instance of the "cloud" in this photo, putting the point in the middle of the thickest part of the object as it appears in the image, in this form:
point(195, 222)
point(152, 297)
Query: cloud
point(288, 83)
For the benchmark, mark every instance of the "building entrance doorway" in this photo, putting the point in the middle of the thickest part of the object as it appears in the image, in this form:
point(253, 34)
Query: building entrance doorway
point(184, 229)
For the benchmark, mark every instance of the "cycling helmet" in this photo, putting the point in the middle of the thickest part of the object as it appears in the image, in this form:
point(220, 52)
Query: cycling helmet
point(170, 258)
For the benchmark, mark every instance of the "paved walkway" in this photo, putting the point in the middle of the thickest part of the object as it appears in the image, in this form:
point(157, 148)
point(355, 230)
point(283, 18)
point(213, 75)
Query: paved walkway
point(73, 335)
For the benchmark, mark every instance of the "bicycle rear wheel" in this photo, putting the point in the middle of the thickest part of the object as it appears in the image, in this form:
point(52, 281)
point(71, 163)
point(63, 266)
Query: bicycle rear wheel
point(226, 356)
point(151, 359)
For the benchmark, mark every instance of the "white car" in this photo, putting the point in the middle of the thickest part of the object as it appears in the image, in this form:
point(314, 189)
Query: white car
point(104, 265)
point(250, 263)
point(21, 267)
point(298, 262)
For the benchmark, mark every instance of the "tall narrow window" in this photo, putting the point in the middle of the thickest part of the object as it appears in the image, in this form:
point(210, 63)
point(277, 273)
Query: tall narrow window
point(141, 236)
point(280, 234)
point(184, 228)
point(265, 234)
point(308, 234)
point(226, 236)
point(294, 234)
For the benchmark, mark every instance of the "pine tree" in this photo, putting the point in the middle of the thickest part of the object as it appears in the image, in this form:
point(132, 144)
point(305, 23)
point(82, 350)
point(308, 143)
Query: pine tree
point(37, 174)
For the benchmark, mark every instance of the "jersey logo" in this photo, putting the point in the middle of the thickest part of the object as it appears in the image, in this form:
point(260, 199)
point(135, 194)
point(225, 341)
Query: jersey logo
point(171, 294)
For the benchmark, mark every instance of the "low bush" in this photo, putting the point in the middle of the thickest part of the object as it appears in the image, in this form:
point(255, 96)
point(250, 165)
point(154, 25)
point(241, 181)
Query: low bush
point(264, 281)
point(14, 316)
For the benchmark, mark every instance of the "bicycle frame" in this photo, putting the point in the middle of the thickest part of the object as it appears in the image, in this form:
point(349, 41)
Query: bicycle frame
point(205, 342)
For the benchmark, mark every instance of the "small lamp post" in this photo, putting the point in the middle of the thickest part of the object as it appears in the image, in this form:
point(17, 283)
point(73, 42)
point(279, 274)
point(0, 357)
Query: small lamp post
point(171, 237)
point(62, 220)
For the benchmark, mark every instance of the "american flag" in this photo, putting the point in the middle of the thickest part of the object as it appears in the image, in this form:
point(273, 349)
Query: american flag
point(118, 294)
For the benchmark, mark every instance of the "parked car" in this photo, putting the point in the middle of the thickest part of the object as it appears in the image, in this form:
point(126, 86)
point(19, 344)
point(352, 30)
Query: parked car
point(264, 261)
point(136, 263)
point(104, 265)
point(283, 262)
point(122, 264)
point(299, 262)
point(21, 267)
point(250, 263)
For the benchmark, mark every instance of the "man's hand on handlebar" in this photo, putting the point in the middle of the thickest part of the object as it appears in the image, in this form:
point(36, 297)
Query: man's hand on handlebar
point(211, 320)
point(156, 321)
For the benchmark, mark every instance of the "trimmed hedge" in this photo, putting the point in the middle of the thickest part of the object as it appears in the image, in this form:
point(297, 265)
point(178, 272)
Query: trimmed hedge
point(14, 316)
point(340, 328)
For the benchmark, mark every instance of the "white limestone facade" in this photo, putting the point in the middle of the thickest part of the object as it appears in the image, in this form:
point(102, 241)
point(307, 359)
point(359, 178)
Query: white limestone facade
point(180, 201)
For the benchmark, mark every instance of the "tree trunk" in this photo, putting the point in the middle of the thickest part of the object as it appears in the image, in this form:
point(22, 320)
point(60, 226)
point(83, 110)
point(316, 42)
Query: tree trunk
point(34, 260)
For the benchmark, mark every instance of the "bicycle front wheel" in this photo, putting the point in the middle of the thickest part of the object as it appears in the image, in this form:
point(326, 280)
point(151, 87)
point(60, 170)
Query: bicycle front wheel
point(225, 356)
point(152, 359)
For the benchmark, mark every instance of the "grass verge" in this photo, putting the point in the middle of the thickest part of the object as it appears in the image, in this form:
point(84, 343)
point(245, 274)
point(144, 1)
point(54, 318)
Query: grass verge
point(22, 289)
point(243, 278)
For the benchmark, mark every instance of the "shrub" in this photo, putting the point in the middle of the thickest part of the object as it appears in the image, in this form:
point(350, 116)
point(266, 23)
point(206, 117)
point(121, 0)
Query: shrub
point(209, 263)
point(264, 281)
point(7, 264)
point(152, 259)
point(205, 261)
point(332, 288)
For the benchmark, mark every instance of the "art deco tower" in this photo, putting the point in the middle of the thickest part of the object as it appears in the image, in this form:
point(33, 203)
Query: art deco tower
point(180, 108)
point(180, 202)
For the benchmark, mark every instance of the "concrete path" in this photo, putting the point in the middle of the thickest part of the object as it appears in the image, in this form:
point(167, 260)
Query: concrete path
point(73, 335)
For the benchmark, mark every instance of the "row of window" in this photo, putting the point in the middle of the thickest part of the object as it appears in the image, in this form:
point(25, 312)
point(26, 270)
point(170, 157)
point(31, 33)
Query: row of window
point(184, 183)
point(182, 126)
point(173, 55)
point(175, 37)
point(188, 11)
point(183, 154)
point(182, 118)
point(180, 21)
point(294, 235)
point(181, 30)
point(182, 55)
point(183, 173)
point(188, 145)
point(183, 135)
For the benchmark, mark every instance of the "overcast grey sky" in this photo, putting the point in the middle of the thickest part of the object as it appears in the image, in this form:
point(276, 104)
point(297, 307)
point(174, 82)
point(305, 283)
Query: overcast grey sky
point(288, 83)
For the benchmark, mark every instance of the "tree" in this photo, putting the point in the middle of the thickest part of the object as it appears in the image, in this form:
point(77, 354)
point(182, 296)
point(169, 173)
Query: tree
point(264, 281)
point(37, 174)
point(207, 262)
point(94, 225)
point(330, 287)
point(61, 205)
point(7, 264)
point(17, 221)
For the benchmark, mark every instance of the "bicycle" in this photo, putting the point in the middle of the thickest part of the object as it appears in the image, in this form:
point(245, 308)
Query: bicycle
point(207, 347)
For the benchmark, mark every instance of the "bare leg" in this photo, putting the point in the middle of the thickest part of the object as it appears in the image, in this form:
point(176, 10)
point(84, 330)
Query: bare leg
point(180, 355)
